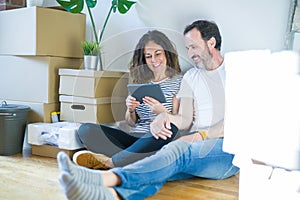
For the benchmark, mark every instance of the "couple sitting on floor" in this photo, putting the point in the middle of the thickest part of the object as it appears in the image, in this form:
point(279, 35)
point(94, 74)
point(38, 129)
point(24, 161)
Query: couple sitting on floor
point(140, 162)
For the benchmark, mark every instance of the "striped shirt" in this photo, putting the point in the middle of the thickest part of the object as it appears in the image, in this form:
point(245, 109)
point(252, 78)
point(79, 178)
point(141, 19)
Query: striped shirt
point(170, 87)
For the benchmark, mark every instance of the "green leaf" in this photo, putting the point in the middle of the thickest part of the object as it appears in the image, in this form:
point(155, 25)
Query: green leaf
point(73, 6)
point(90, 48)
point(91, 3)
point(124, 6)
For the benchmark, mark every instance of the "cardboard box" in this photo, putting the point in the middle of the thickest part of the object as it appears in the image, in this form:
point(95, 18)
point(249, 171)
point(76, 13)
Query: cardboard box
point(50, 151)
point(40, 31)
point(262, 116)
point(92, 110)
point(32, 79)
point(95, 84)
point(264, 182)
point(39, 112)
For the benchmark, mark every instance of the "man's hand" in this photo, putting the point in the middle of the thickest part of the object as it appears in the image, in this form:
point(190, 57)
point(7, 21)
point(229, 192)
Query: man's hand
point(161, 127)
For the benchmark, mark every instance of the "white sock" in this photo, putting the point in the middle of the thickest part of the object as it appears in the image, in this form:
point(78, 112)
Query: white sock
point(76, 190)
point(81, 174)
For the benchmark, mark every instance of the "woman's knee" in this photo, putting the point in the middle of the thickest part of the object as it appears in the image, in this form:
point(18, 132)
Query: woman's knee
point(85, 129)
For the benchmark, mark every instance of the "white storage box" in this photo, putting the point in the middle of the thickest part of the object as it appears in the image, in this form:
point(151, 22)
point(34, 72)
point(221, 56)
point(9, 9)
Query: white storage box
point(95, 84)
point(61, 134)
point(39, 112)
point(32, 79)
point(41, 31)
point(92, 110)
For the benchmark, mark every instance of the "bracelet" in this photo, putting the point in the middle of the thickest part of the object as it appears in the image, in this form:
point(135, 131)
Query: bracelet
point(203, 134)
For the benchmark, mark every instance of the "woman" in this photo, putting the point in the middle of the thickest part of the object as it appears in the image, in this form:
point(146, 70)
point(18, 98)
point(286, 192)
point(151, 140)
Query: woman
point(154, 60)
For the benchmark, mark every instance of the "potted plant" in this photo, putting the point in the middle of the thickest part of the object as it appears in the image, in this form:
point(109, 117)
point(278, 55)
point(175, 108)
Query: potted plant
point(91, 51)
point(76, 6)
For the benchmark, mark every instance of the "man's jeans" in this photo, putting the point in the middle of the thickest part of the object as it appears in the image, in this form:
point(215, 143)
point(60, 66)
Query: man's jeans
point(177, 160)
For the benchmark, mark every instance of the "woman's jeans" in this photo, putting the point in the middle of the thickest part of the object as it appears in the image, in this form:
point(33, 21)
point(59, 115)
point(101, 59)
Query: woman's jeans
point(123, 147)
point(176, 160)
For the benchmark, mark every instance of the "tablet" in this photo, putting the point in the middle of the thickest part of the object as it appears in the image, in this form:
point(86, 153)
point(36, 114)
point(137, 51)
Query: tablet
point(139, 91)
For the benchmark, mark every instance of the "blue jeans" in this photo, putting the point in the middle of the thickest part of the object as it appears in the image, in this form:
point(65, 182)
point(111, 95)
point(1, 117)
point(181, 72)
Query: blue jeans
point(177, 160)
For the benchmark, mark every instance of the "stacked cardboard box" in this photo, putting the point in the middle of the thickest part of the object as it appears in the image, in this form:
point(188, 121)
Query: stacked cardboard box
point(92, 96)
point(35, 43)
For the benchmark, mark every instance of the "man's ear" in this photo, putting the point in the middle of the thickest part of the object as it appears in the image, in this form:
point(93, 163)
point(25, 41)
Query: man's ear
point(211, 42)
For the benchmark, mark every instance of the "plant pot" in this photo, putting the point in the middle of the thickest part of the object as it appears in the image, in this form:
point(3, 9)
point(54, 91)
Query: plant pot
point(91, 62)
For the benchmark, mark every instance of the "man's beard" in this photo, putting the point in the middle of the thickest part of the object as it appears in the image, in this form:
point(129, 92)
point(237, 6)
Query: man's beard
point(204, 63)
point(200, 65)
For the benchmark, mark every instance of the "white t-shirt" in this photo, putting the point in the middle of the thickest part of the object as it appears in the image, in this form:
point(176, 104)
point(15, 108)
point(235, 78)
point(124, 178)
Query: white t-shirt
point(207, 90)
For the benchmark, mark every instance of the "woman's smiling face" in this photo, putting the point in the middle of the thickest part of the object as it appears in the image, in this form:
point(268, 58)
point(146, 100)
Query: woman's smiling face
point(155, 57)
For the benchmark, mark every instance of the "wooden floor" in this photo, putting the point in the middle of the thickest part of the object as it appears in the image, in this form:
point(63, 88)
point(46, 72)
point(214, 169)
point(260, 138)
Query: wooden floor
point(35, 177)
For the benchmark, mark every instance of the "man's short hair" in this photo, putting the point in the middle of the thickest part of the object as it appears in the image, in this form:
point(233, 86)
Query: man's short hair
point(207, 30)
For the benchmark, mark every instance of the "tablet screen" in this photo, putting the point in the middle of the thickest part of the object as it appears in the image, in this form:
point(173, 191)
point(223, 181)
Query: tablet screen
point(139, 91)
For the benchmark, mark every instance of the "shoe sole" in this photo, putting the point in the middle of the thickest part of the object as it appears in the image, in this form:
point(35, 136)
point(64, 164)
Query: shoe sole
point(89, 159)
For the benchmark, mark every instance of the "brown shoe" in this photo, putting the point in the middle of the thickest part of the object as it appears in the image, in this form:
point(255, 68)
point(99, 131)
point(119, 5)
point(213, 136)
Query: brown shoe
point(90, 160)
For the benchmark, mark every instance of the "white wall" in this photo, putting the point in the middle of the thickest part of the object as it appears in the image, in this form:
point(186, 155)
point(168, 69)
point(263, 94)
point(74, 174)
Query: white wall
point(296, 44)
point(244, 24)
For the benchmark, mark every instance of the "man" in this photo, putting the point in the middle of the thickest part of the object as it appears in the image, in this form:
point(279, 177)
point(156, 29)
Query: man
point(198, 154)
